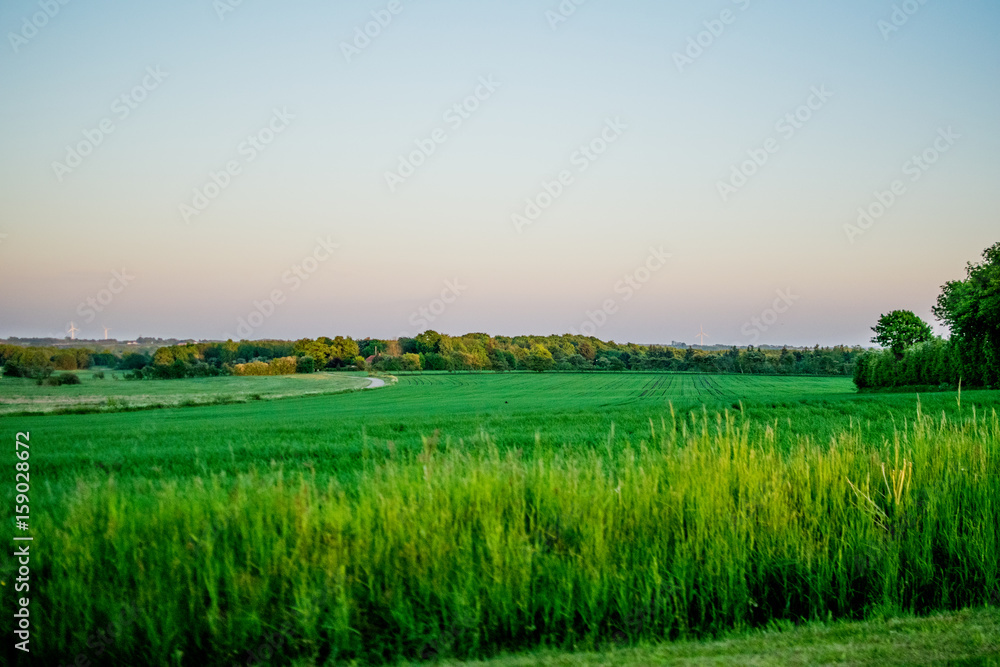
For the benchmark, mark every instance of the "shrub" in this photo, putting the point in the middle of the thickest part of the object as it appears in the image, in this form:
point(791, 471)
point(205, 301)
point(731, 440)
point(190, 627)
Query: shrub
point(252, 368)
point(284, 366)
point(410, 362)
point(305, 364)
point(61, 379)
point(30, 368)
point(65, 361)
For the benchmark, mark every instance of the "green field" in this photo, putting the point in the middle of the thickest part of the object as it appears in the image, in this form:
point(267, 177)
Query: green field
point(112, 393)
point(335, 433)
point(468, 514)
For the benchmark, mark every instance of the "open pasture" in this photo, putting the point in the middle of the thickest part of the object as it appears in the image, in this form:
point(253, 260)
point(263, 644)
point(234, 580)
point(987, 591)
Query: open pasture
point(570, 391)
point(337, 434)
point(469, 514)
point(112, 393)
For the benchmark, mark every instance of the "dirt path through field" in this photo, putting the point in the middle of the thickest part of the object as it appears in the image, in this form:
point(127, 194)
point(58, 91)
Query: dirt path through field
point(375, 383)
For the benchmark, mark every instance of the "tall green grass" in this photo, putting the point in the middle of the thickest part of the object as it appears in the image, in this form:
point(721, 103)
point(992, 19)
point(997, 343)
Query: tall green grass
point(703, 525)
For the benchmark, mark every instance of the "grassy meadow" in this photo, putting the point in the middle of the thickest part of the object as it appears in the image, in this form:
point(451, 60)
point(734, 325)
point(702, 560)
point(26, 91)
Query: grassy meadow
point(455, 516)
point(957, 638)
point(112, 393)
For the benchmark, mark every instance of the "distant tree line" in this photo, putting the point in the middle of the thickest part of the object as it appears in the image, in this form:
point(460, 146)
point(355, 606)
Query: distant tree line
point(38, 363)
point(911, 354)
point(432, 351)
point(914, 357)
point(481, 352)
point(429, 351)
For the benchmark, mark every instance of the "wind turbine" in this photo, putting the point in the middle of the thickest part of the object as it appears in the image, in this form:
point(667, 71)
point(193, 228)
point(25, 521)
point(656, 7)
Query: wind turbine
point(72, 331)
point(106, 330)
point(702, 335)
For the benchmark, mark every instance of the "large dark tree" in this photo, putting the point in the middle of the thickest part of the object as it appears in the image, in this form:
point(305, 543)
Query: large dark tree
point(899, 330)
point(429, 341)
point(971, 309)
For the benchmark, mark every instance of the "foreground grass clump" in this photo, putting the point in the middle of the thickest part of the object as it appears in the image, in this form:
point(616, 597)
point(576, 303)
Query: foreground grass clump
point(698, 529)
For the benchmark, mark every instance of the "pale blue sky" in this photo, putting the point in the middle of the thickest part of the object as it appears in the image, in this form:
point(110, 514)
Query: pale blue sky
point(655, 186)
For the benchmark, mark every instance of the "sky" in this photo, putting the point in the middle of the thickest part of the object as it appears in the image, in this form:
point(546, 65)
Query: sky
point(764, 172)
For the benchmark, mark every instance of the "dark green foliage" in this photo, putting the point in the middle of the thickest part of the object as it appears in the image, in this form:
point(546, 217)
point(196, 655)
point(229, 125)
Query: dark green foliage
point(930, 364)
point(134, 361)
point(971, 309)
point(27, 362)
point(62, 379)
point(433, 361)
point(305, 364)
point(106, 359)
point(900, 330)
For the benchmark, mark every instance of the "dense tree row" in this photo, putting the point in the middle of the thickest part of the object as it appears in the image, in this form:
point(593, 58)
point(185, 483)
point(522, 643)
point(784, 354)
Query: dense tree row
point(40, 362)
point(971, 355)
point(429, 351)
point(932, 363)
point(480, 352)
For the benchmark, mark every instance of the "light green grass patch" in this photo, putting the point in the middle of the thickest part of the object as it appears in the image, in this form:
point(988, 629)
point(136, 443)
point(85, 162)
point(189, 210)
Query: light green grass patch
point(19, 395)
point(967, 637)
